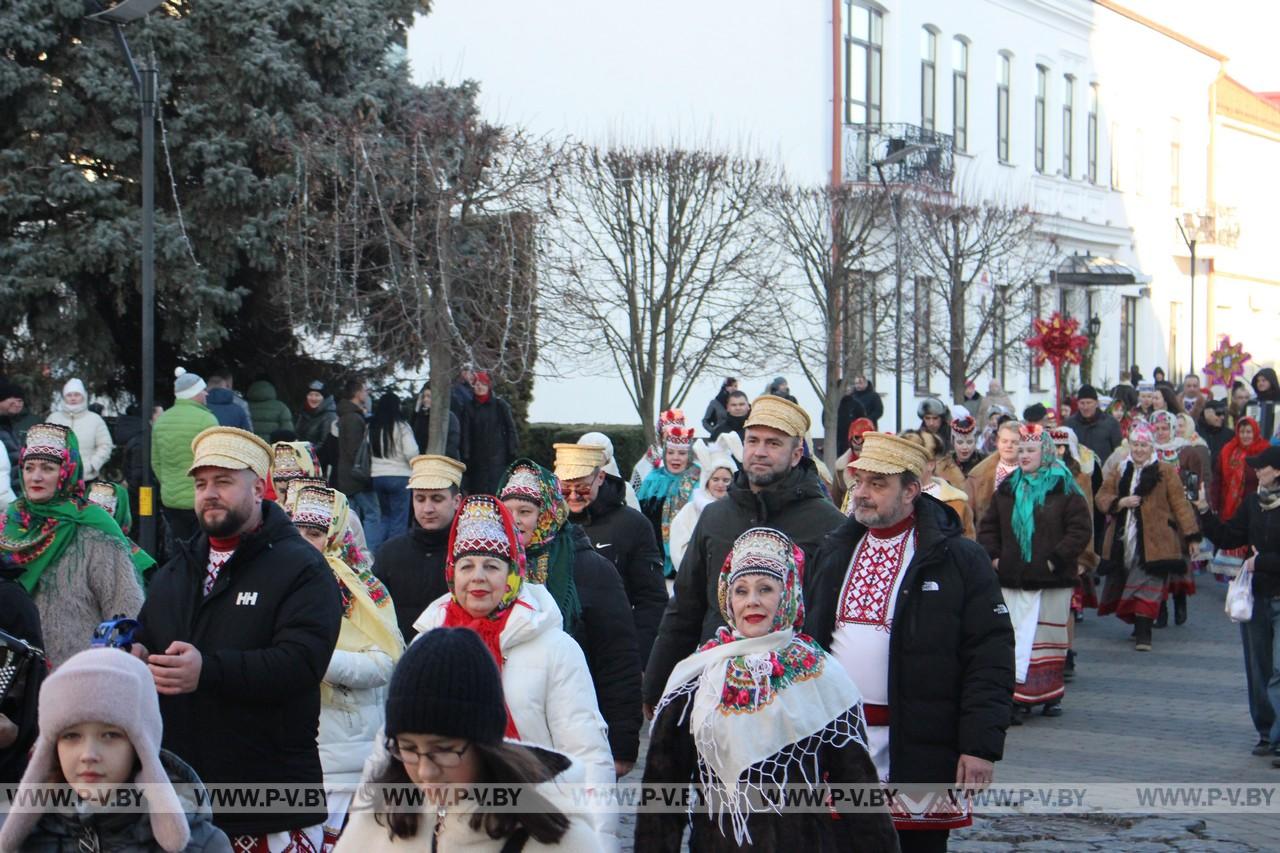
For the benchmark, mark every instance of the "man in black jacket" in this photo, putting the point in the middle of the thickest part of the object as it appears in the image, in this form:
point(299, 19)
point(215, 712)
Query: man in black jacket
point(240, 625)
point(777, 488)
point(597, 503)
point(913, 611)
point(1095, 429)
point(12, 401)
point(411, 565)
point(865, 393)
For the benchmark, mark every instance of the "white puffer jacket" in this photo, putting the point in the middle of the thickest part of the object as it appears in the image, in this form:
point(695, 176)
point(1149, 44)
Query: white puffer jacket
point(547, 685)
point(352, 717)
point(93, 436)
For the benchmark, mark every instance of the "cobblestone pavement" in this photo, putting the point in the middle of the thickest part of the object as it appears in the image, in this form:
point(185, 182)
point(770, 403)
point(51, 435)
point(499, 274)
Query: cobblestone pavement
point(1177, 714)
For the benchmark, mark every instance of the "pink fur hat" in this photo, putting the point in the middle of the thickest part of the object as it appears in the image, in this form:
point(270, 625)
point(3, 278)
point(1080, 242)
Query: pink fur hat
point(103, 686)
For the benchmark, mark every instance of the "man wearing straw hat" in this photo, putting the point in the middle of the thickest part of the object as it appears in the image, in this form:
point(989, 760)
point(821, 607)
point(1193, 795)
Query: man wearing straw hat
point(778, 487)
point(240, 625)
point(619, 533)
point(912, 610)
point(411, 565)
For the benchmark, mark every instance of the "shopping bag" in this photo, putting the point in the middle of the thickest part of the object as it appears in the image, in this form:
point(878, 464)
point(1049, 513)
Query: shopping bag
point(1239, 604)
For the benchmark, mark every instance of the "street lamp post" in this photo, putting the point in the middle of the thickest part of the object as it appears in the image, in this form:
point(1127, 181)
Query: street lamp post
point(144, 81)
point(894, 204)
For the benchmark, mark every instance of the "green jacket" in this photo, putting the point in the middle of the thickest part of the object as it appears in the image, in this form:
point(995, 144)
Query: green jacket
point(266, 410)
point(171, 454)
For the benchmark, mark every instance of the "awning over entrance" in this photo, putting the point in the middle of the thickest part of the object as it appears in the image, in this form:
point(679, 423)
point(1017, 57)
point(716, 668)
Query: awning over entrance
point(1089, 270)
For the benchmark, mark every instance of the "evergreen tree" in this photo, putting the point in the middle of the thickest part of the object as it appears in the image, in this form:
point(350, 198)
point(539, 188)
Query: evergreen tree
point(239, 81)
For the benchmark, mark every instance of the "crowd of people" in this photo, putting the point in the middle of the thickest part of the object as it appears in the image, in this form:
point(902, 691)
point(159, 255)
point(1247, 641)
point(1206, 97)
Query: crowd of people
point(335, 605)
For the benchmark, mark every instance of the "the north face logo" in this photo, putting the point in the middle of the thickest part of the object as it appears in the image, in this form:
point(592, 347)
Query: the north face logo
point(247, 598)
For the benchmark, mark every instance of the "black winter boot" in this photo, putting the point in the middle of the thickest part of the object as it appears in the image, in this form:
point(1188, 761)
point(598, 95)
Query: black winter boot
point(1142, 628)
point(1162, 621)
point(1180, 608)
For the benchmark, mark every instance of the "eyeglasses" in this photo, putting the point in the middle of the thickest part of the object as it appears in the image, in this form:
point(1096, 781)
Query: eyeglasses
point(582, 490)
point(441, 758)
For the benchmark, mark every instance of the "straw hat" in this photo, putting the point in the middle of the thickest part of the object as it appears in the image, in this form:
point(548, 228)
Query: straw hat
point(232, 448)
point(780, 414)
point(435, 472)
point(883, 453)
point(578, 460)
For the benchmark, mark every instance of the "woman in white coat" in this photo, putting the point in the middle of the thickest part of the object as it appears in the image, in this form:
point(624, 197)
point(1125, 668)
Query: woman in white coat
point(90, 429)
point(369, 644)
point(718, 463)
point(542, 667)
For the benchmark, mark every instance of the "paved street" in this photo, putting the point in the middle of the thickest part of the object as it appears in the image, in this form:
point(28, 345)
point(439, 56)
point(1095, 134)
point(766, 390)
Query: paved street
point(1175, 715)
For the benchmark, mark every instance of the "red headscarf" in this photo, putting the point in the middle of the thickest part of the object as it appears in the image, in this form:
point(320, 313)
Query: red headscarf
point(484, 526)
point(1237, 477)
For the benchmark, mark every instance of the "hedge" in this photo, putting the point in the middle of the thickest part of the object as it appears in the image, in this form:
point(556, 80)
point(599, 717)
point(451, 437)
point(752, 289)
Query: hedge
point(537, 439)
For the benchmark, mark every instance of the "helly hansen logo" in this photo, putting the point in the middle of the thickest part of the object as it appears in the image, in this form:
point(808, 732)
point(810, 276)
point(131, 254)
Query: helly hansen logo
point(249, 598)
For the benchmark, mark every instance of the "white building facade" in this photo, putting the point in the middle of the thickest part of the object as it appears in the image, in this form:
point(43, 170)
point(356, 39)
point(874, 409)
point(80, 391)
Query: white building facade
point(1105, 123)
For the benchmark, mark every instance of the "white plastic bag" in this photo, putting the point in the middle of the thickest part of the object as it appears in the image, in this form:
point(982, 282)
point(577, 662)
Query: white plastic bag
point(1239, 605)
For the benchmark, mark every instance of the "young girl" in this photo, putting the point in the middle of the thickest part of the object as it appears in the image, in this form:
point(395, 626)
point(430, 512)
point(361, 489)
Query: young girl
point(100, 731)
point(446, 716)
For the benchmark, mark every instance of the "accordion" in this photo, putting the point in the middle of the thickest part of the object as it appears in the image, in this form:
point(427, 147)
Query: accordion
point(17, 659)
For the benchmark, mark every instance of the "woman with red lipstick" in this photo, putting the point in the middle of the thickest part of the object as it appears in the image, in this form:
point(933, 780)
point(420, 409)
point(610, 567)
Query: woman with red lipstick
point(100, 732)
point(543, 668)
point(73, 558)
point(755, 709)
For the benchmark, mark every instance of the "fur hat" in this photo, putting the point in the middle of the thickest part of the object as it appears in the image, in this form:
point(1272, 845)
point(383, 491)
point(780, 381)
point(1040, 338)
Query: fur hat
point(932, 406)
point(113, 687)
point(1035, 413)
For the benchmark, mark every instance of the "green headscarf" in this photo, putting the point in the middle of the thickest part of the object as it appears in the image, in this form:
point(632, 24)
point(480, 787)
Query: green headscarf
point(1030, 490)
point(120, 511)
point(550, 549)
point(35, 535)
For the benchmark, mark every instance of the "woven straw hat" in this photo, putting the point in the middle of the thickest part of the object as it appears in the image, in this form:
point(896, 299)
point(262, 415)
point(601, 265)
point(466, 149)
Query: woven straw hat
point(780, 414)
point(228, 447)
point(883, 453)
point(578, 460)
point(435, 472)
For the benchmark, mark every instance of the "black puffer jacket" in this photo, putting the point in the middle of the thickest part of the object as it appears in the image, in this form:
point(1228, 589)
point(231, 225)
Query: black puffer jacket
point(608, 640)
point(265, 632)
point(1259, 528)
point(20, 619)
point(951, 650)
point(796, 505)
point(624, 536)
point(872, 405)
point(489, 444)
point(1268, 401)
point(411, 566)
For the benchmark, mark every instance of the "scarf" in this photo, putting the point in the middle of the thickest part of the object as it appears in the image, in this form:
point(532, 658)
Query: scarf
point(1030, 491)
point(763, 705)
point(549, 551)
point(504, 544)
point(1234, 468)
point(36, 535)
point(119, 510)
point(1269, 499)
point(674, 491)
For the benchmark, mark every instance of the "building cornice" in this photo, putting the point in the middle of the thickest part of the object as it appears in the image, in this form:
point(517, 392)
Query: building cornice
point(1234, 100)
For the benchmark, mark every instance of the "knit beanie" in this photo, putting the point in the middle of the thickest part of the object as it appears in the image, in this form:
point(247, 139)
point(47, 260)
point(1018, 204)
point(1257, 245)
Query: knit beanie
point(186, 385)
point(103, 686)
point(447, 684)
point(1087, 392)
point(10, 390)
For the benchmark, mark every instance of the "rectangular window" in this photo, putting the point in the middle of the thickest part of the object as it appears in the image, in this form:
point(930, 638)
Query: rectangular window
point(863, 58)
point(1175, 165)
point(928, 78)
point(960, 94)
point(1092, 141)
point(1128, 332)
point(1068, 124)
point(922, 306)
point(1042, 97)
point(1115, 163)
point(1003, 73)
